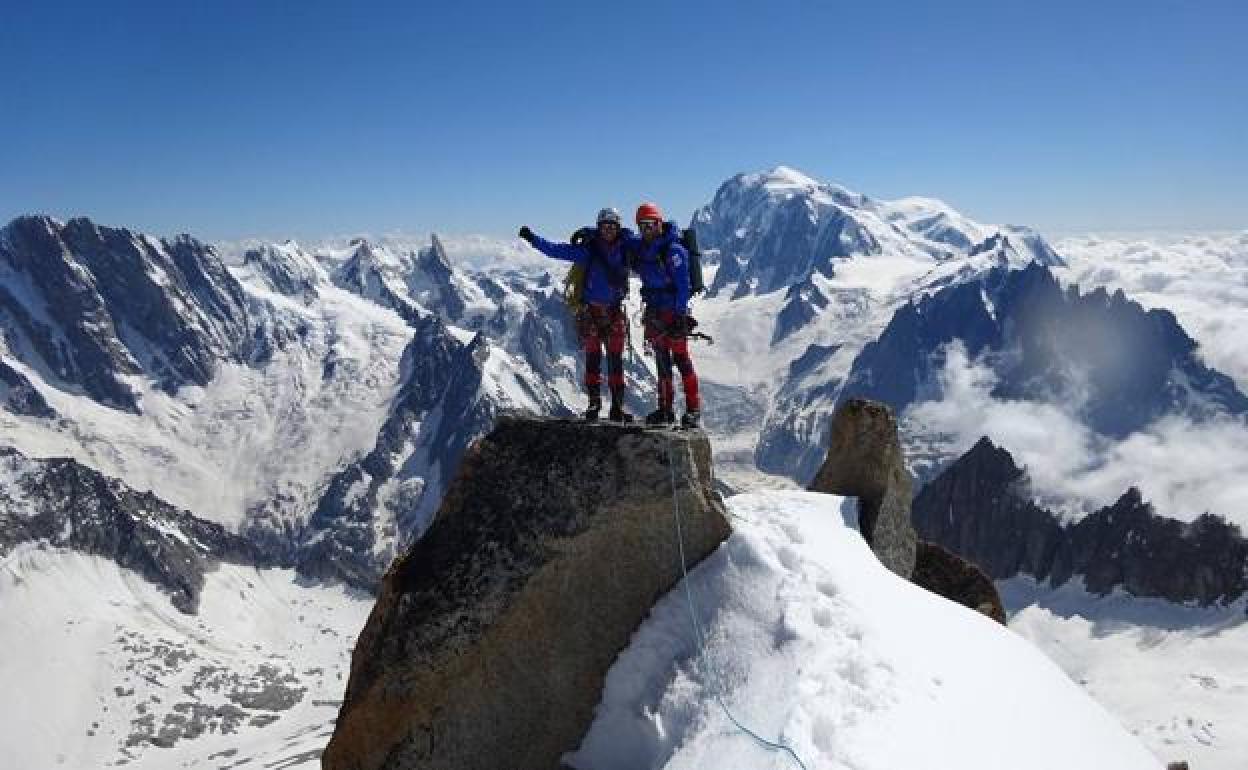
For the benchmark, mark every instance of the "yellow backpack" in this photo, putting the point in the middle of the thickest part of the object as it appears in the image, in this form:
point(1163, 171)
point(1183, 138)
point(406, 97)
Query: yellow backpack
point(574, 288)
point(574, 281)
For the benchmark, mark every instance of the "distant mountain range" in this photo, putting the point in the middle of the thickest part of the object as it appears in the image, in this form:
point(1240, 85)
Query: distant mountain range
point(179, 413)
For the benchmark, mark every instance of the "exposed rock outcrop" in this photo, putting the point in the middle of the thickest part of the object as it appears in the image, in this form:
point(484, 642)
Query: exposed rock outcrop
point(981, 508)
point(63, 503)
point(943, 572)
point(88, 306)
point(865, 461)
point(492, 635)
point(19, 396)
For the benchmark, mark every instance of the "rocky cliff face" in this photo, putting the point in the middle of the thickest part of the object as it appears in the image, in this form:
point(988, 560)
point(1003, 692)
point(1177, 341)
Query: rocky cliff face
point(491, 636)
point(63, 503)
point(87, 306)
point(981, 508)
point(365, 273)
point(19, 396)
point(865, 461)
point(372, 503)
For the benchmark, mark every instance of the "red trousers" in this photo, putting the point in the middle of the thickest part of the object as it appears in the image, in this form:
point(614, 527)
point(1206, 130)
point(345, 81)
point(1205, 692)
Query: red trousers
point(671, 348)
point(599, 325)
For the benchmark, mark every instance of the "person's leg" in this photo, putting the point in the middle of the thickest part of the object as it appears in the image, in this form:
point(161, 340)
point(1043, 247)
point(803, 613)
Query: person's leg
point(688, 377)
point(663, 365)
point(592, 345)
point(615, 363)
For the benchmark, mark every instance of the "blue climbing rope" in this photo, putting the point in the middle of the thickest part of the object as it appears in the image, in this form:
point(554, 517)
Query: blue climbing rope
point(703, 659)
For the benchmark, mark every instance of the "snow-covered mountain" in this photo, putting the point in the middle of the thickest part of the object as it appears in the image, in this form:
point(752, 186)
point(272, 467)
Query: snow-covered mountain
point(214, 474)
point(316, 403)
point(311, 403)
point(816, 296)
point(777, 229)
point(1115, 368)
point(805, 275)
point(87, 308)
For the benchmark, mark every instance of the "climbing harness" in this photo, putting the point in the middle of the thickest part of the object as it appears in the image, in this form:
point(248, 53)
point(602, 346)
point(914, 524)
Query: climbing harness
point(667, 330)
point(699, 637)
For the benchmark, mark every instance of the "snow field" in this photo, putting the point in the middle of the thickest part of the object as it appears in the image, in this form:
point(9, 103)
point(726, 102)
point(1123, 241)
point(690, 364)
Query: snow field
point(253, 435)
point(95, 650)
point(814, 643)
point(1177, 676)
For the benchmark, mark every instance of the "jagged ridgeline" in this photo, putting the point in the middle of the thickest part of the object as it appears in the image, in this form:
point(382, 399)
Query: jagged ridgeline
point(64, 504)
point(316, 402)
point(88, 307)
point(1102, 356)
point(981, 507)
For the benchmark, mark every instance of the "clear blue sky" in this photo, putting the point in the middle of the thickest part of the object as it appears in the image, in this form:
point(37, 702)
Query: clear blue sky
point(228, 118)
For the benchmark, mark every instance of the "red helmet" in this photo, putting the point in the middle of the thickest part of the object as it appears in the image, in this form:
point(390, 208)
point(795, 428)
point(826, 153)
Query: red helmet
point(649, 211)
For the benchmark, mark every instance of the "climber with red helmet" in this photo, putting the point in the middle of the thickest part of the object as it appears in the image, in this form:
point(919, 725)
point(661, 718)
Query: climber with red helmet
point(662, 263)
point(600, 315)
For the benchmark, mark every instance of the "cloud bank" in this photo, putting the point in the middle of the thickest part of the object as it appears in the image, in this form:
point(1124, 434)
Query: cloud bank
point(1185, 468)
point(1202, 279)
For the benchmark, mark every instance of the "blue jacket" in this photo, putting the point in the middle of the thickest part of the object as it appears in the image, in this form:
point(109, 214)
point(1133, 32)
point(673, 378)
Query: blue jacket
point(663, 265)
point(606, 273)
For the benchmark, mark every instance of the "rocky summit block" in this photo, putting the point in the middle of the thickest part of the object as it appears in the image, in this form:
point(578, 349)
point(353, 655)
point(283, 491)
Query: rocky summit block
point(865, 461)
point(491, 637)
point(943, 572)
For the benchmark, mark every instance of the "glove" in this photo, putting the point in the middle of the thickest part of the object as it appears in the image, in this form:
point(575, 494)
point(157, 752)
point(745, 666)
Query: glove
point(582, 236)
point(526, 233)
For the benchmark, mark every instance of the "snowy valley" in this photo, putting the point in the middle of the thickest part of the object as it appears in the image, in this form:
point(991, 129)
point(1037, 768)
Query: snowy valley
point(270, 424)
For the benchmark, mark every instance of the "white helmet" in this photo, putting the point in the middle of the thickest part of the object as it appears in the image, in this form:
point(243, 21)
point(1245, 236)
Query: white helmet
point(608, 214)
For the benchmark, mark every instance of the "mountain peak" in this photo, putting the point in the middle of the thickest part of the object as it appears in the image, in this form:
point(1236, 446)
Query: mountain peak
point(787, 175)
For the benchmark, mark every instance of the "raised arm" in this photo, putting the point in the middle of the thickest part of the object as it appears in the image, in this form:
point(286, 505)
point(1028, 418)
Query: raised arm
point(565, 251)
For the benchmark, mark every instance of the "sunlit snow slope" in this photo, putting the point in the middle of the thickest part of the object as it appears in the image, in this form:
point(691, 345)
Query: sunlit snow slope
point(813, 642)
point(1177, 675)
point(108, 673)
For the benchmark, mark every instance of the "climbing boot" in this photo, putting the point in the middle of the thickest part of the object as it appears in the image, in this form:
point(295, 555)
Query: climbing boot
point(617, 414)
point(591, 412)
point(661, 416)
point(691, 419)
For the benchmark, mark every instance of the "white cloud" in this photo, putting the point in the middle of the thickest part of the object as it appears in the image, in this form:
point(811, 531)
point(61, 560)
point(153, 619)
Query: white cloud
point(1183, 467)
point(1202, 279)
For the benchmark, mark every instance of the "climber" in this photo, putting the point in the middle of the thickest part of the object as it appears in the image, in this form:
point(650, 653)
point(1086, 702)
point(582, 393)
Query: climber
point(663, 265)
point(600, 316)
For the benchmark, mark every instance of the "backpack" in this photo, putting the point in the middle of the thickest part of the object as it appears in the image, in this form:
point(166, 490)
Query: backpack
point(689, 239)
point(578, 274)
point(574, 288)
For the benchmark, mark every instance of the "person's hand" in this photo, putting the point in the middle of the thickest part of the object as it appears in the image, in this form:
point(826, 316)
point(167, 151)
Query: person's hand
point(686, 323)
point(526, 233)
point(582, 236)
